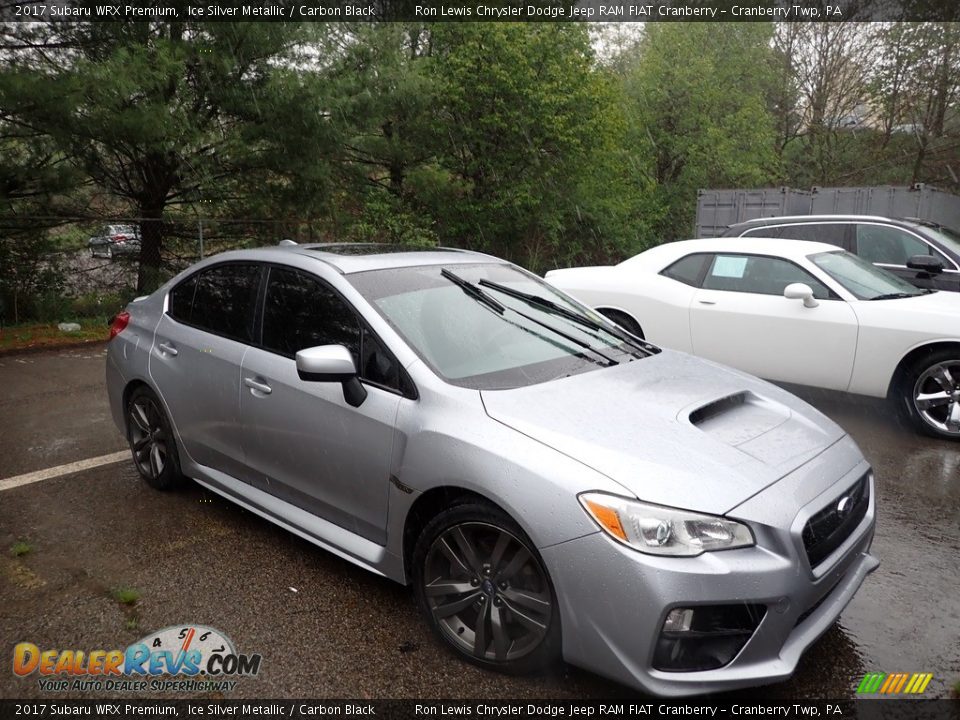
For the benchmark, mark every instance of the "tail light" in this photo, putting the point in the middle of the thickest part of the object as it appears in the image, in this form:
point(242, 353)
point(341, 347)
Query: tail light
point(119, 324)
point(119, 238)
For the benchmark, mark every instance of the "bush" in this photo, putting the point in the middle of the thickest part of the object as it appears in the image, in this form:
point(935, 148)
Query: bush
point(31, 276)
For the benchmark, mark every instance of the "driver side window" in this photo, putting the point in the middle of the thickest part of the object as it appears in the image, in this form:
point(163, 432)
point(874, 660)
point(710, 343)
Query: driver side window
point(301, 312)
point(761, 275)
point(891, 246)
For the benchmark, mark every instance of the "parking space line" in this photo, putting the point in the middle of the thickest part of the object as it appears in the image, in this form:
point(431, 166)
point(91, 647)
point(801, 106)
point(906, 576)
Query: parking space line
point(60, 470)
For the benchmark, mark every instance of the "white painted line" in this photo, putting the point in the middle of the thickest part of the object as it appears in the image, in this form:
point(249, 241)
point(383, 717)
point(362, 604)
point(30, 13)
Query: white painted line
point(60, 470)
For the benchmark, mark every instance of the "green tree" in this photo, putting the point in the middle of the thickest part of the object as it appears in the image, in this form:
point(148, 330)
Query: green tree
point(699, 109)
point(525, 123)
point(161, 114)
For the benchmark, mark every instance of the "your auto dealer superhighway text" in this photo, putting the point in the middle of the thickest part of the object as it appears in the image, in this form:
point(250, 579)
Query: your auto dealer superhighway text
point(555, 710)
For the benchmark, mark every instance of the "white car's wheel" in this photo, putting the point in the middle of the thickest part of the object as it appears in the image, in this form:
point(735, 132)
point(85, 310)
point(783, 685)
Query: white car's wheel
point(624, 321)
point(930, 394)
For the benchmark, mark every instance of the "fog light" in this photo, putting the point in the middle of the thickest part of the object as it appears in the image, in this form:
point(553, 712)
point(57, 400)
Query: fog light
point(678, 620)
point(705, 637)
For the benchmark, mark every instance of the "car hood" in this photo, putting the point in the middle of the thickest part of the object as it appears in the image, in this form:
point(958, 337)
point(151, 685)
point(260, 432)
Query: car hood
point(671, 428)
point(942, 302)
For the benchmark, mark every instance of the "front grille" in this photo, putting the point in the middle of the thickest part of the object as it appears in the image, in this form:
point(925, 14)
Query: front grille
point(829, 528)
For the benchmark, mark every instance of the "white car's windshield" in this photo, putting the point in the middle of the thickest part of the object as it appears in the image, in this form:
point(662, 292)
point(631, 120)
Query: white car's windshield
point(865, 280)
point(467, 341)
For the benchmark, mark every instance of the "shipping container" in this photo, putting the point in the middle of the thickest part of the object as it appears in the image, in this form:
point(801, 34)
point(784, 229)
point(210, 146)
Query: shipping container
point(718, 209)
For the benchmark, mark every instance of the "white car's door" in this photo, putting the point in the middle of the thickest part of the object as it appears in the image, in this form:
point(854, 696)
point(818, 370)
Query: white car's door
point(740, 317)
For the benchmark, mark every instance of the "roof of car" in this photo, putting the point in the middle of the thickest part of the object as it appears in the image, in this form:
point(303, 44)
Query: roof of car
point(359, 257)
point(789, 249)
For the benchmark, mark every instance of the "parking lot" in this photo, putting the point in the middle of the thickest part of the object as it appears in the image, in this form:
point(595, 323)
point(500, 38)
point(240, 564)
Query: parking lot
point(328, 629)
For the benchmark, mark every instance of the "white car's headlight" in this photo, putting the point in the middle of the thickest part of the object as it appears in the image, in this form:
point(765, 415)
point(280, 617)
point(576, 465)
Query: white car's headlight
point(659, 530)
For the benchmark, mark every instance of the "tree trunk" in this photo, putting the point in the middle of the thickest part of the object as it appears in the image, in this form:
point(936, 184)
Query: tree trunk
point(151, 242)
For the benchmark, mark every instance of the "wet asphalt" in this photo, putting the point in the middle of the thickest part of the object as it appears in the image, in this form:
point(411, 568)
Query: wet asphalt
point(327, 629)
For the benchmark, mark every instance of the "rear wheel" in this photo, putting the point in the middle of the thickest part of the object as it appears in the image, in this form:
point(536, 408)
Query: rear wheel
point(484, 590)
point(624, 321)
point(151, 441)
point(929, 394)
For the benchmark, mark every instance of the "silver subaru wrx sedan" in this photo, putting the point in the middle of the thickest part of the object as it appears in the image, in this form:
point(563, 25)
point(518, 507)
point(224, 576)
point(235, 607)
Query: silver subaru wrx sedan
point(548, 483)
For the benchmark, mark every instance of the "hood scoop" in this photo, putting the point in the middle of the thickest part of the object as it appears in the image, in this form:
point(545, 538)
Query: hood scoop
point(747, 421)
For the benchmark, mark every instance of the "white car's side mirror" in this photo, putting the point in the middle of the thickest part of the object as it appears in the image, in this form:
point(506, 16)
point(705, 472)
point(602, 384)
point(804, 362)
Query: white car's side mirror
point(800, 291)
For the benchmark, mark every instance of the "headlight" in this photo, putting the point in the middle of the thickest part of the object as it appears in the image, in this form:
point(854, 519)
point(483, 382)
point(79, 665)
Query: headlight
point(661, 530)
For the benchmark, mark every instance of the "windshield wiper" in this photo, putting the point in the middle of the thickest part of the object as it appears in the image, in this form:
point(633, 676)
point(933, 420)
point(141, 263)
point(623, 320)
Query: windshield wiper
point(480, 296)
point(895, 296)
point(551, 306)
point(473, 291)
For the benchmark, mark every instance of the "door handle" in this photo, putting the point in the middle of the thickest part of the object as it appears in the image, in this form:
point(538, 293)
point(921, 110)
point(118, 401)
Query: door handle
point(258, 386)
point(168, 349)
point(707, 302)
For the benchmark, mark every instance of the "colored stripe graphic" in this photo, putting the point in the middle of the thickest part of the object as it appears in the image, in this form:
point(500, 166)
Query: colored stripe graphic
point(894, 683)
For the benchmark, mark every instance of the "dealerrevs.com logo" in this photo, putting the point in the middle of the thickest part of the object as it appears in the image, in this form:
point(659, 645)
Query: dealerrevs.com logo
point(188, 658)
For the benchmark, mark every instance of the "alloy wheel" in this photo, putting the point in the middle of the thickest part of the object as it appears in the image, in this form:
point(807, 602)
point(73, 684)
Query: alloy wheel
point(148, 438)
point(936, 396)
point(487, 592)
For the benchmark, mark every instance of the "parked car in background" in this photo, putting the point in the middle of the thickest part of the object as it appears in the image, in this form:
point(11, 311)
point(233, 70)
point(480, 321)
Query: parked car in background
point(791, 311)
point(923, 253)
point(541, 477)
point(115, 240)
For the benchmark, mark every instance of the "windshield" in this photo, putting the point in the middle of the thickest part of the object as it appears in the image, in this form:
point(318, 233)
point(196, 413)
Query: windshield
point(948, 238)
point(469, 343)
point(862, 278)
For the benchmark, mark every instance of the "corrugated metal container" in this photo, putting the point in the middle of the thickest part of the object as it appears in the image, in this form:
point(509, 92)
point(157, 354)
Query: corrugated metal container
point(918, 201)
point(717, 209)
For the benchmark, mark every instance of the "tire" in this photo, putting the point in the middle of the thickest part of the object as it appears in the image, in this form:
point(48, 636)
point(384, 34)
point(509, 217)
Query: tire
point(110, 255)
point(928, 394)
point(624, 321)
point(496, 579)
point(151, 441)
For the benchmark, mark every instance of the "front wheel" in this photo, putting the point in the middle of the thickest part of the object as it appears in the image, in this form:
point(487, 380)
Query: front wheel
point(484, 590)
point(929, 394)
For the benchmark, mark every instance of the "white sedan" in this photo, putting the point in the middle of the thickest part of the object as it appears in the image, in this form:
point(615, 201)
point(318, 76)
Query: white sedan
point(790, 311)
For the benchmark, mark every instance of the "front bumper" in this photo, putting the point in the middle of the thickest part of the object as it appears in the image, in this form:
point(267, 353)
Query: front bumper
point(613, 600)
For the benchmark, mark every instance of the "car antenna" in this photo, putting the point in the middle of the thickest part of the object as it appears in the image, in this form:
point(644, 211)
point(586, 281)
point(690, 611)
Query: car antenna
point(287, 242)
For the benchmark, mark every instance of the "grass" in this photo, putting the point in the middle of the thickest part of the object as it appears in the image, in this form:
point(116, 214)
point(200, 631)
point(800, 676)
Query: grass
point(132, 623)
point(40, 335)
point(21, 548)
point(125, 595)
point(956, 689)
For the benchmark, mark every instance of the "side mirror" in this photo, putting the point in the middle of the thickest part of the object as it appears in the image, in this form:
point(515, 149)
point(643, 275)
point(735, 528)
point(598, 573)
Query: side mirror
point(800, 291)
point(925, 263)
point(332, 363)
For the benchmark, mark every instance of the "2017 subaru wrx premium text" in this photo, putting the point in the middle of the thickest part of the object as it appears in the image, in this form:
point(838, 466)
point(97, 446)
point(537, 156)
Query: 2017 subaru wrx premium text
point(548, 483)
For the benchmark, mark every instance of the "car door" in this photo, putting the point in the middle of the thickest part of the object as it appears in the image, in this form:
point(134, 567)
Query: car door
point(195, 360)
point(303, 442)
point(891, 247)
point(740, 317)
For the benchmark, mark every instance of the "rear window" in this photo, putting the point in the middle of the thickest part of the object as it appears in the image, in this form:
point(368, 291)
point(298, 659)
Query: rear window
point(181, 299)
point(833, 233)
point(688, 270)
point(219, 300)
